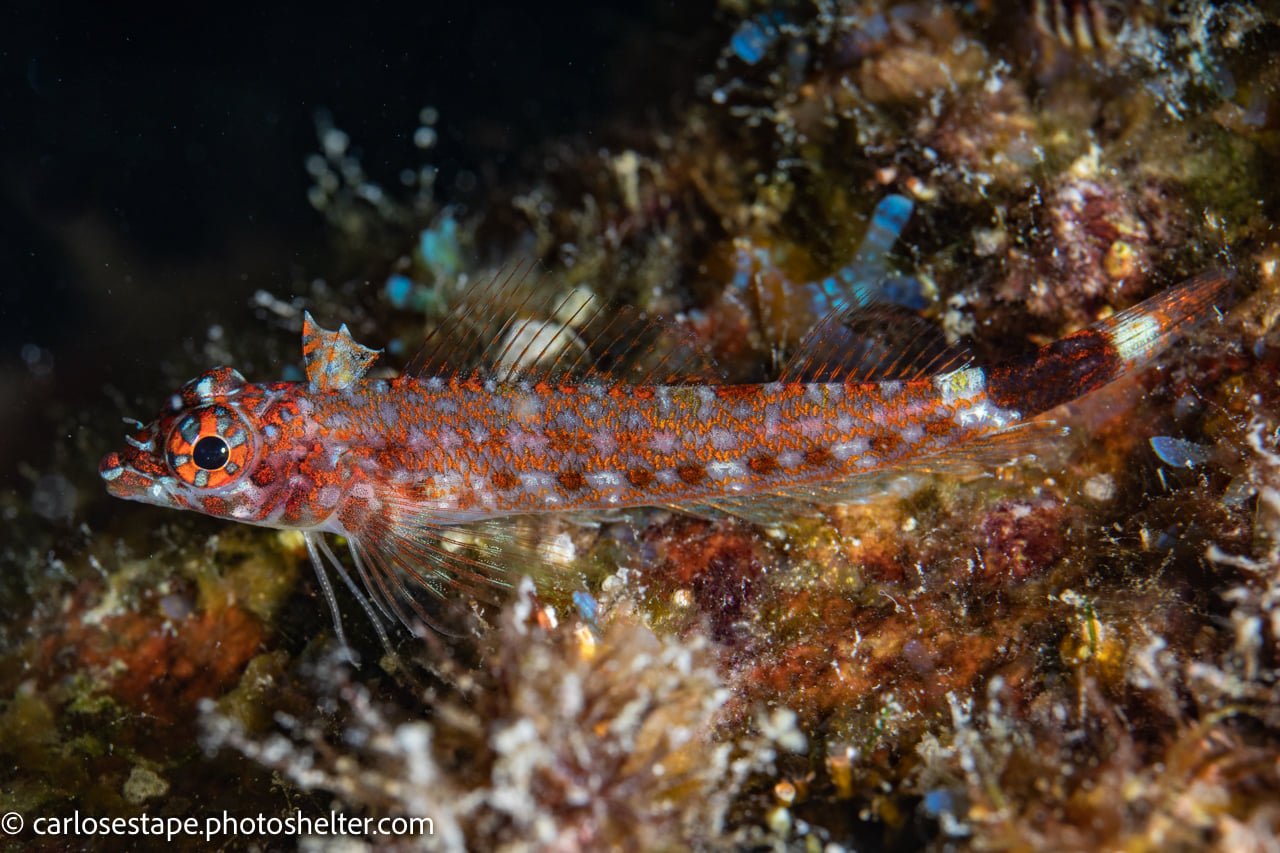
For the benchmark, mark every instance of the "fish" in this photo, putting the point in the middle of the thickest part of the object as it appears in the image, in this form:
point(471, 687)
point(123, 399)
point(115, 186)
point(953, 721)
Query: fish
point(524, 403)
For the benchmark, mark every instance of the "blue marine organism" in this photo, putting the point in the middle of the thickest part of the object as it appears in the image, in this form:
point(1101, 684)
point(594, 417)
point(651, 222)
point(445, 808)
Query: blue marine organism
point(398, 289)
point(440, 251)
point(756, 35)
point(938, 802)
point(588, 610)
point(406, 294)
point(440, 248)
point(868, 278)
point(865, 280)
point(1179, 453)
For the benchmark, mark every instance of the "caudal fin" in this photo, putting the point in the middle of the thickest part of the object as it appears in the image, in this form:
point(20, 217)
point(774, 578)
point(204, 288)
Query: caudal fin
point(1092, 357)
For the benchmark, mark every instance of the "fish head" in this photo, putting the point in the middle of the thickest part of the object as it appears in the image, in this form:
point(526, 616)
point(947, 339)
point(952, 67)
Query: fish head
point(197, 454)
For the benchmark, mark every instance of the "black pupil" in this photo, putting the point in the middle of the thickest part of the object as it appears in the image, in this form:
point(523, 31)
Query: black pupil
point(210, 453)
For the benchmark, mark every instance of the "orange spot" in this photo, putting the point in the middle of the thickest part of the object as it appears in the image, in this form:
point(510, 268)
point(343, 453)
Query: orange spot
point(504, 481)
point(568, 441)
point(764, 464)
point(297, 505)
point(631, 392)
point(641, 478)
point(818, 457)
point(939, 429)
point(885, 442)
point(692, 474)
point(737, 393)
point(571, 481)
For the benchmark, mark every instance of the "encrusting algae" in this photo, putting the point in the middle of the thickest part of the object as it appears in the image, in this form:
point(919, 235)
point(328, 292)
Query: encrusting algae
point(1077, 651)
point(565, 736)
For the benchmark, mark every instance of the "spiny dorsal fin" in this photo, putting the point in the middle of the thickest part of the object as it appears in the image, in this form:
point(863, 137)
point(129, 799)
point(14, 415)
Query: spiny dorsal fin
point(334, 360)
point(872, 343)
point(514, 329)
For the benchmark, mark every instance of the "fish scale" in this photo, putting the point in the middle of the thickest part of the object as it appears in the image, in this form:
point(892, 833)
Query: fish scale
point(594, 447)
point(423, 473)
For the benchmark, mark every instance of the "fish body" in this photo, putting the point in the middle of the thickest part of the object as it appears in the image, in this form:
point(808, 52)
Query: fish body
point(397, 466)
point(463, 450)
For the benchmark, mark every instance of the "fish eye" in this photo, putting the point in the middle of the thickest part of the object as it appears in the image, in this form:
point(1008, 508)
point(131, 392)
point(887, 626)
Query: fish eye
point(210, 453)
point(210, 446)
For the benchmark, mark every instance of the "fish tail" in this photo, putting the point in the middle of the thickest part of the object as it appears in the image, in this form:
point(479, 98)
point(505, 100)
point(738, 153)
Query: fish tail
point(1092, 357)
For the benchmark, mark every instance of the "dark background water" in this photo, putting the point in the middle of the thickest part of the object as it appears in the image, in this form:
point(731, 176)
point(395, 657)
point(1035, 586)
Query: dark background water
point(151, 159)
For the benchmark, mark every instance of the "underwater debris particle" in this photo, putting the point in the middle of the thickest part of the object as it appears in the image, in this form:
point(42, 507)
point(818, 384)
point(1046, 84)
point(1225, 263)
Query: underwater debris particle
point(424, 137)
point(143, 784)
point(334, 142)
point(1100, 488)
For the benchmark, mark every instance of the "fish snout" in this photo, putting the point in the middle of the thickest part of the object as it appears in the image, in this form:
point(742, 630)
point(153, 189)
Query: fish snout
point(121, 479)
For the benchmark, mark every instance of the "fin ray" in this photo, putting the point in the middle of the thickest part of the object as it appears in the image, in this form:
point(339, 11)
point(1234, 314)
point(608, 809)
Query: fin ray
point(403, 554)
point(515, 329)
point(1085, 361)
point(969, 460)
point(872, 343)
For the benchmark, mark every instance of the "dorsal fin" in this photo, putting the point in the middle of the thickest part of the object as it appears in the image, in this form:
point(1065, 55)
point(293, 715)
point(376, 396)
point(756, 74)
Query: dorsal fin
point(518, 329)
point(334, 360)
point(872, 343)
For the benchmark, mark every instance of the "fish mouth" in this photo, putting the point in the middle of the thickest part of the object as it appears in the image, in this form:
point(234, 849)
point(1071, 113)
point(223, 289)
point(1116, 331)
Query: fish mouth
point(122, 480)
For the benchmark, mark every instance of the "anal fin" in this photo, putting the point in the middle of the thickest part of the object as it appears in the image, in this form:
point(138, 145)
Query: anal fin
point(979, 457)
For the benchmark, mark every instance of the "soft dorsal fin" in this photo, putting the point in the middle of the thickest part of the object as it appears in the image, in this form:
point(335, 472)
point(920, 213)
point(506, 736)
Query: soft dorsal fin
point(515, 329)
point(872, 343)
point(334, 360)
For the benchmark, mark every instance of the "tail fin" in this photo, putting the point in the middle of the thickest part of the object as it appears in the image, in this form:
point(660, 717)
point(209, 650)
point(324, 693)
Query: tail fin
point(1092, 357)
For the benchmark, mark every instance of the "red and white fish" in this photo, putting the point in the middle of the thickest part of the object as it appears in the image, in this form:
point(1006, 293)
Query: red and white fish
point(422, 473)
